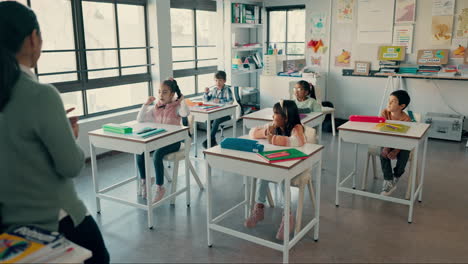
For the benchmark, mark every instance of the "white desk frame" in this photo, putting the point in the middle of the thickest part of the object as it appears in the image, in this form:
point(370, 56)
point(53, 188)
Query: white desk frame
point(251, 165)
point(207, 116)
point(365, 133)
point(137, 145)
point(265, 116)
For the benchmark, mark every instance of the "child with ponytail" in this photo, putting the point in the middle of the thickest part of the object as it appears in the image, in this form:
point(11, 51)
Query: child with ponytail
point(169, 109)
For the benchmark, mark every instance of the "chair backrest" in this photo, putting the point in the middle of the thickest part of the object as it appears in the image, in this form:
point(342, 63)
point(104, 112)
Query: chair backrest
point(238, 100)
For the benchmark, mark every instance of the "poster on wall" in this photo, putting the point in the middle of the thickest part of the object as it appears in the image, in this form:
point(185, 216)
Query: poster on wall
point(458, 48)
point(343, 59)
point(405, 11)
point(442, 27)
point(461, 24)
point(375, 21)
point(318, 29)
point(403, 36)
point(345, 11)
point(443, 7)
point(433, 57)
point(316, 61)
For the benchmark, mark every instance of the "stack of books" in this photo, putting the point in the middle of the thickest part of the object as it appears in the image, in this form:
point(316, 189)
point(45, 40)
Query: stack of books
point(389, 66)
point(246, 14)
point(117, 128)
point(274, 156)
point(448, 71)
point(429, 70)
point(27, 244)
point(408, 69)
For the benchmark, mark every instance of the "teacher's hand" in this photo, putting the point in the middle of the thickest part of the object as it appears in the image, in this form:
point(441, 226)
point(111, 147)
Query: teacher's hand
point(74, 123)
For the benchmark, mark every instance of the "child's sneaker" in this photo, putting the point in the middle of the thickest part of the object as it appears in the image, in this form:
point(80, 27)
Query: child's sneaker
point(159, 194)
point(388, 187)
point(280, 233)
point(258, 213)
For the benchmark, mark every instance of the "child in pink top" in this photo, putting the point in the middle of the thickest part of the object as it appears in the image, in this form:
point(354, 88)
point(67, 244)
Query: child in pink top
point(168, 110)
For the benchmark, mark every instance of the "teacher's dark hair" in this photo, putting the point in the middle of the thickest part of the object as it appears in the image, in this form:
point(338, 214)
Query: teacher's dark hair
point(16, 23)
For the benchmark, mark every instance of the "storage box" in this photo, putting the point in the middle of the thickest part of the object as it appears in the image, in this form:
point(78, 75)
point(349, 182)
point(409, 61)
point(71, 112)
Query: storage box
point(444, 126)
point(273, 64)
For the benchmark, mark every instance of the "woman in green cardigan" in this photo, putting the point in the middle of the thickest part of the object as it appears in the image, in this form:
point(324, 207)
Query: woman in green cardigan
point(38, 152)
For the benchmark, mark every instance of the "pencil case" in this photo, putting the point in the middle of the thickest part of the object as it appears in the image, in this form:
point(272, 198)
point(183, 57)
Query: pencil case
point(242, 144)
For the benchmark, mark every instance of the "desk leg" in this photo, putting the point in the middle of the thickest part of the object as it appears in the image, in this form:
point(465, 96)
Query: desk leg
point(319, 132)
point(195, 146)
point(234, 124)
point(287, 212)
point(318, 179)
point(208, 132)
point(94, 171)
point(413, 183)
point(187, 170)
point(338, 172)
point(355, 165)
point(149, 195)
point(246, 197)
point(136, 175)
point(209, 201)
point(423, 166)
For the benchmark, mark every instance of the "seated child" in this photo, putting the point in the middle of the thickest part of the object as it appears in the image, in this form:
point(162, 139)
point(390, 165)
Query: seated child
point(168, 110)
point(398, 101)
point(305, 98)
point(285, 130)
point(219, 94)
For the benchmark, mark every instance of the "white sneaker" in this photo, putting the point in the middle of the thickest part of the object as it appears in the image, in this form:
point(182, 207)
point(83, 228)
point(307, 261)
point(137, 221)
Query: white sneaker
point(388, 187)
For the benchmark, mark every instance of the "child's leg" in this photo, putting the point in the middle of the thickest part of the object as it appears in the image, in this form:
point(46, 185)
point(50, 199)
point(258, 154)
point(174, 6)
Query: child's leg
point(262, 191)
point(216, 123)
point(386, 168)
point(141, 165)
point(158, 160)
point(402, 160)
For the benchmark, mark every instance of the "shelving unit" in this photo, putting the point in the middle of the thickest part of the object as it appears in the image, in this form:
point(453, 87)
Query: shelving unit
point(243, 33)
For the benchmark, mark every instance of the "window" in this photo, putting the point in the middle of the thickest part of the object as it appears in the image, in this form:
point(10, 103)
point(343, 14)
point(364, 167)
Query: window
point(95, 52)
point(286, 30)
point(193, 26)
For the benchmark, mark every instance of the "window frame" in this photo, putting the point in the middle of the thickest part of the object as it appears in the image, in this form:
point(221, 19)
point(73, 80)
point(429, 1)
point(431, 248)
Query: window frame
point(286, 42)
point(83, 83)
point(195, 71)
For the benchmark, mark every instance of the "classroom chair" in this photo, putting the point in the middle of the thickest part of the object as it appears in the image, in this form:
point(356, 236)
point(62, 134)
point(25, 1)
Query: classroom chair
point(300, 181)
point(178, 156)
point(373, 152)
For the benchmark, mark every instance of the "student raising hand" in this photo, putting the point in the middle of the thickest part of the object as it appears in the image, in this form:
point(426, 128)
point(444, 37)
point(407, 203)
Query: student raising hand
point(151, 99)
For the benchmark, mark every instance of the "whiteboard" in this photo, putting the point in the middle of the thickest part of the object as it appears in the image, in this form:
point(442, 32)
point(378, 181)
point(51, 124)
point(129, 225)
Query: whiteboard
point(375, 21)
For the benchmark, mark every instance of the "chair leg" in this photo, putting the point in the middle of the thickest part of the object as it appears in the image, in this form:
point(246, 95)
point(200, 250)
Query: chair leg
point(175, 175)
point(364, 176)
point(333, 123)
point(300, 206)
point(374, 168)
point(270, 198)
point(166, 175)
point(253, 190)
point(311, 193)
point(195, 176)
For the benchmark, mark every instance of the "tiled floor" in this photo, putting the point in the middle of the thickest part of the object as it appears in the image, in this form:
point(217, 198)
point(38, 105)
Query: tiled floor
point(360, 230)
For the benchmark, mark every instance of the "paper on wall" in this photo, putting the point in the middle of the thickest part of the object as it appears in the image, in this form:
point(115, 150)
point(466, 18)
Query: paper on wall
point(442, 27)
point(345, 11)
point(375, 21)
point(405, 11)
point(461, 22)
point(403, 36)
point(318, 29)
point(443, 7)
point(458, 48)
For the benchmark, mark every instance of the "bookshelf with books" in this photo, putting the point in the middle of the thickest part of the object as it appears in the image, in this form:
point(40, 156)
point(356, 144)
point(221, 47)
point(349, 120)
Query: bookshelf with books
point(244, 49)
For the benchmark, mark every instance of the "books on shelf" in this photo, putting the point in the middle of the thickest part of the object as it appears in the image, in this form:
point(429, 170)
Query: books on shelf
point(28, 244)
point(282, 155)
point(246, 14)
point(409, 69)
point(448, 71)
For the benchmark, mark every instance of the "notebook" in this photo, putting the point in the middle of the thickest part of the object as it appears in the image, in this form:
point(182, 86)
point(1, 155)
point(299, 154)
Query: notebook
point(274, 156)
point(390, 127)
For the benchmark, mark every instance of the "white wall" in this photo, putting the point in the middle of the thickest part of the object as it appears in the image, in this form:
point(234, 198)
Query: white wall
point(362, 95)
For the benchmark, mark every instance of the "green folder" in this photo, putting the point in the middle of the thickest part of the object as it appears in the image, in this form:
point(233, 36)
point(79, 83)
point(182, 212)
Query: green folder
point(117, 128)
point(282, 155)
